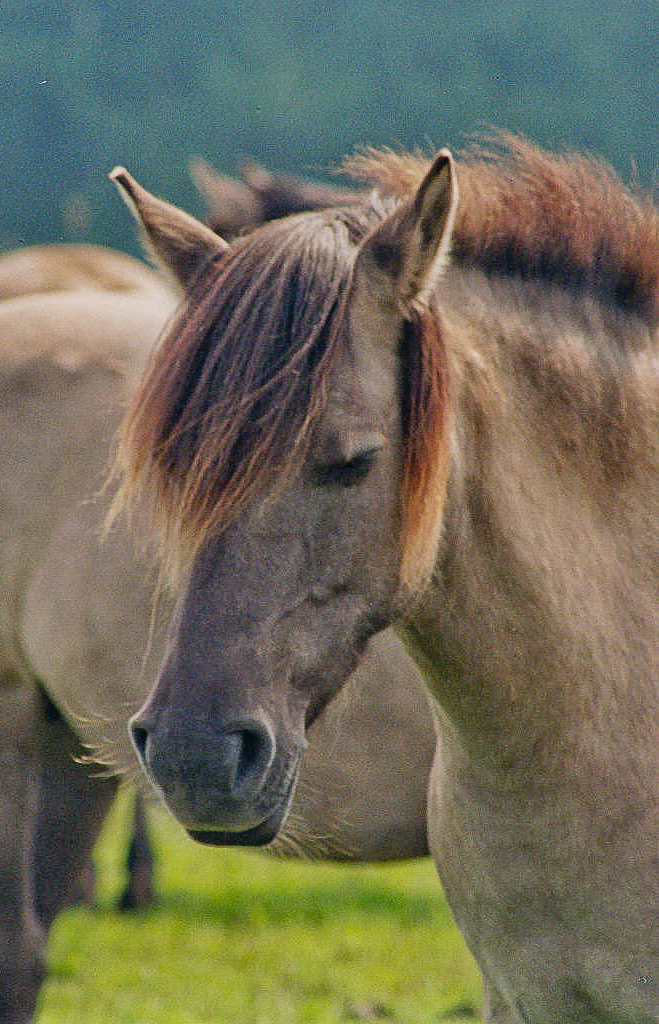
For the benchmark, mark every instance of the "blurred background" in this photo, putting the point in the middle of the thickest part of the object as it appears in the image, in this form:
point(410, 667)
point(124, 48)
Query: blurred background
point(85, 84)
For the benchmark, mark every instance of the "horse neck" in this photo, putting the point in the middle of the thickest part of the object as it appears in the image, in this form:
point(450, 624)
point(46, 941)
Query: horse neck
point(538, 628)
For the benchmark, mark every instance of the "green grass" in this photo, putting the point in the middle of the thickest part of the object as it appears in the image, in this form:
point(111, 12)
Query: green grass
point(237, 938)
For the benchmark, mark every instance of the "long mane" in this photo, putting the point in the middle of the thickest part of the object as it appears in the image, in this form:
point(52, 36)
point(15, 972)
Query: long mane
point(566, 219)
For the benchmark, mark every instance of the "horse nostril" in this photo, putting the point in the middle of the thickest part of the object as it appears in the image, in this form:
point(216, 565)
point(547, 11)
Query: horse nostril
point(254, 756)
point(230, 763)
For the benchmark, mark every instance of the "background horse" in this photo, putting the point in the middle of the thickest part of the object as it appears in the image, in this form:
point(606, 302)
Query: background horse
point(467, 446)
point(77, 614)
point(64, 268)
point(235, 206)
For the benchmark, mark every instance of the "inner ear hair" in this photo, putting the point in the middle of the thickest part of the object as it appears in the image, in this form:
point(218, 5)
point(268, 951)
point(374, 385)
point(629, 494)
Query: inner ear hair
point(411, 245)
point(428, 240)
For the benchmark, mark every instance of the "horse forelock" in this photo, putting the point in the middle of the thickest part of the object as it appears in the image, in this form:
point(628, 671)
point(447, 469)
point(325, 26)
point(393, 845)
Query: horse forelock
point(229, 400)
point(228, 403)
point(566, 219)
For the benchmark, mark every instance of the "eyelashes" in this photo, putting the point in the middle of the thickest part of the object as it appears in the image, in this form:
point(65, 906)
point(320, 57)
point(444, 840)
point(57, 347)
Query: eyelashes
point(346, 472)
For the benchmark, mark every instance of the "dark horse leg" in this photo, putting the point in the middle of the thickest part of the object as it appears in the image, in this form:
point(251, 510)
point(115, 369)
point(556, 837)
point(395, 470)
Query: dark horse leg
point(139, 889)
point(21, 936)
point(51, 810)
point(73, 800)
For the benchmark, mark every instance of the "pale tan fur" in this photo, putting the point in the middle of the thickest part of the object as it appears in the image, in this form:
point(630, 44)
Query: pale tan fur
point(539, 631)
point(55, 268)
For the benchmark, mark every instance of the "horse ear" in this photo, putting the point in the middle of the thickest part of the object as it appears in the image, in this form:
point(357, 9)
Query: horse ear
point(232, 205)
point(404, 257)
point(178, 242)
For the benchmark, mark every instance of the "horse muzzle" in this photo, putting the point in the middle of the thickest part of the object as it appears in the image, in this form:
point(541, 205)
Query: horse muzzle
point(225, 785)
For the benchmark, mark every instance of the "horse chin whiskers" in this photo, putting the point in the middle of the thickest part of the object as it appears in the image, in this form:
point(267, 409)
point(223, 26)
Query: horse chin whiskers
point(296, 840)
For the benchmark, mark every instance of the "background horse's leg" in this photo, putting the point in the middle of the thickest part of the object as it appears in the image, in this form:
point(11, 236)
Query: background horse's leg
point(21, 938)
point(139, 889)
point(73, 800)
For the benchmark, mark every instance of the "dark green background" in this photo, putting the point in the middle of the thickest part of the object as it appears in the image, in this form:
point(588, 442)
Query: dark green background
point(85, 84)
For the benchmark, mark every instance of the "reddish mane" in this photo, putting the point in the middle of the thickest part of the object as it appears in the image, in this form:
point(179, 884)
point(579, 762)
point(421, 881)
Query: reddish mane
point(566, 218)
point(232, 394)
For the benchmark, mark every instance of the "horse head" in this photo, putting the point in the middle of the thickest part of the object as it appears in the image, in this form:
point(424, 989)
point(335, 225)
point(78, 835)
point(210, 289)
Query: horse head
point(290, 430)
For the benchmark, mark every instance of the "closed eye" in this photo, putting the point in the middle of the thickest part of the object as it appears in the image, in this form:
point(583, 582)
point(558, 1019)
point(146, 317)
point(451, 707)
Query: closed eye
point(346, 472)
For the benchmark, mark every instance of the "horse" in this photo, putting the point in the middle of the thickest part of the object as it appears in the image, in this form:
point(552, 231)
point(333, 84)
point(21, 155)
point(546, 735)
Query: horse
point(439, 414)
point(65, 267)
point(77, 613)
point(235, 206)
point(61, 268)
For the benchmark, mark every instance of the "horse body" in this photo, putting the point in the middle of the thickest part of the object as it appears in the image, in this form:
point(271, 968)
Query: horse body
point(486, 439)
point(44, 471)
point(58, 389)
point(542, 617)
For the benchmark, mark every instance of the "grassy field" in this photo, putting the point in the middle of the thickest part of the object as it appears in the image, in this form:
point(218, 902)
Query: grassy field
point(237, 938)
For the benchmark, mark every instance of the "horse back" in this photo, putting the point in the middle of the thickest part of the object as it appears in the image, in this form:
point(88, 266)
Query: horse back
point(67, 363)
point(42, 269)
